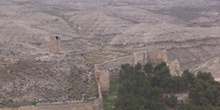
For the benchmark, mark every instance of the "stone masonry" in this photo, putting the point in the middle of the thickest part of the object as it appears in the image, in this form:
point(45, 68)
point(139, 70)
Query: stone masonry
point(103, 75)
point(54, 44)
point(175, 67)
point(104, 80)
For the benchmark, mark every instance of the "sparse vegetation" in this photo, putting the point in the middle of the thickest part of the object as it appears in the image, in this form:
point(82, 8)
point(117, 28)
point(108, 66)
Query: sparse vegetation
point(108, 31)
point(13, 104)
point(34, 103)
point(109, 99)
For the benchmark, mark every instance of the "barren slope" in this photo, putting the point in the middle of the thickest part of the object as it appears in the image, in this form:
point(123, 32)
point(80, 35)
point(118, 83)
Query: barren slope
point(55, 80)
point(95, 32)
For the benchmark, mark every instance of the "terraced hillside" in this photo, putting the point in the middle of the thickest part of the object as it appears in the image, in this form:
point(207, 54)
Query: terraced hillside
point(97, 31)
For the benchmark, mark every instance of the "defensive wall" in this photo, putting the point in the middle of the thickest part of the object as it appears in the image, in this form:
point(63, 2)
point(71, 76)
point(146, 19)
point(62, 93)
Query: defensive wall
point(109, 71)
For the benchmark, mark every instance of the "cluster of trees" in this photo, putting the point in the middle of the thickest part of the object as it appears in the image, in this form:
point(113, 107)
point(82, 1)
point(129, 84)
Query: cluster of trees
point(204, 93)
point(151, 87)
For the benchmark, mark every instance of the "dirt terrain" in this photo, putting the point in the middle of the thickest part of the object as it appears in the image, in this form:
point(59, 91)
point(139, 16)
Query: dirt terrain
point(95, 31)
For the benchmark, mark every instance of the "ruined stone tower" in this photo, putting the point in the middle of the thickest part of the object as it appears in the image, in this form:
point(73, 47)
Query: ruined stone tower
point(54, 44)
point(175, 68)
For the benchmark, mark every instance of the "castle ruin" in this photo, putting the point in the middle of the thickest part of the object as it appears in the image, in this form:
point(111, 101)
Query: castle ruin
point(175, 67)
point(109, 71)
point(54, 44)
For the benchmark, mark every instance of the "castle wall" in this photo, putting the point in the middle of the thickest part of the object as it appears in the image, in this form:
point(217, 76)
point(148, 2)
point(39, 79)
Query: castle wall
point(157, 56)
point(99, 104)
point(141, 57)
point(104, 81)
point(102, 69)
point(164, 56)
point(104, 73)
point(109, 71)
point(113, 74)
point(116, 63)
point(175, 67)
point(97, 72)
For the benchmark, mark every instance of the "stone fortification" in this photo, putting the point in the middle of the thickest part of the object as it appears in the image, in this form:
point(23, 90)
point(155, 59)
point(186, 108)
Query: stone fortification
point(175, 67)
point(157, 56)
point(108, 71)
point(54, 44)
point(116, 63)
point(99, 104)
point(104, 79)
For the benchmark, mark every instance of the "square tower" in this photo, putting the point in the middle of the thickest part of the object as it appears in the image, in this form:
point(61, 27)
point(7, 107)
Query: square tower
point(54, 44)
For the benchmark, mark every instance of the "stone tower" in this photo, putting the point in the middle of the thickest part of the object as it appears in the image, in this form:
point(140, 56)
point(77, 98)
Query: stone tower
point(175, 68)
point(54, 44)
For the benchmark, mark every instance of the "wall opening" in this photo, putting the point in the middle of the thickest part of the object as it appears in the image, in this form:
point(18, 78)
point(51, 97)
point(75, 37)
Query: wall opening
point(57, 38)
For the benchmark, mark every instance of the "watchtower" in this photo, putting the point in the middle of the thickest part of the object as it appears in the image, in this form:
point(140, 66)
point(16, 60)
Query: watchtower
point(54, 44)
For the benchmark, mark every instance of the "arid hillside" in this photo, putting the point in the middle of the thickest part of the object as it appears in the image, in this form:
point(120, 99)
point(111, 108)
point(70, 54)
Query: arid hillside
point(97, 31)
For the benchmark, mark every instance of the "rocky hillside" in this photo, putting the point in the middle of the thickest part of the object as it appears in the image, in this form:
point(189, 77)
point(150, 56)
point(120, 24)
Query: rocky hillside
point(44, 79)
point(97, 31)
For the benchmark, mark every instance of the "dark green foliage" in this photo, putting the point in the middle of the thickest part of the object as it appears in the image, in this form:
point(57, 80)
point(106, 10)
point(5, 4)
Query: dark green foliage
point(138, 67)
point(190, 106)
point(162, 70)
point(160, 66)
point(153, 88)
point(204, 90)
point(188, 77)
point(171, 100)
point(174, 84)
point(205, 76)
point(148, 68)
point(136, 92)
point(34, 103)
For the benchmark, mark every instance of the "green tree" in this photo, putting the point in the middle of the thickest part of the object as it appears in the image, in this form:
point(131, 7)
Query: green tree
point(188, 77)
point(171, 101)
point(160, 66)
point(138, 67)
point(148, 68)
point(205, 76)
point(145, 88)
